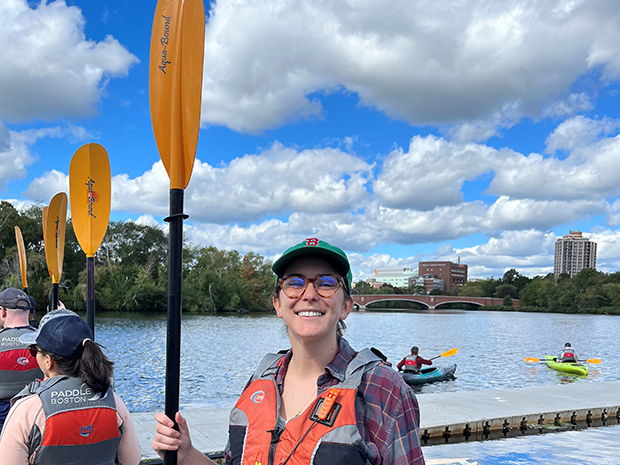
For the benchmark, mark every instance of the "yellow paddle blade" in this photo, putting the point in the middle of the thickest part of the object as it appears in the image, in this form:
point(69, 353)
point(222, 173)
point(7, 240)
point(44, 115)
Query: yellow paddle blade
point(55, 222)
point(175, 84)
point(22, 256)
point(532, 359)
point(594, 361)
point(449, 353)
point(90, 186)
point(49, 256)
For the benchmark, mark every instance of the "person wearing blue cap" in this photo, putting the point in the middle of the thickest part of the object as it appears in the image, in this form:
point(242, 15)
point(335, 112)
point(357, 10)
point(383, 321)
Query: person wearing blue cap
point(73, 415)
point(321, 402)
point(17, 367)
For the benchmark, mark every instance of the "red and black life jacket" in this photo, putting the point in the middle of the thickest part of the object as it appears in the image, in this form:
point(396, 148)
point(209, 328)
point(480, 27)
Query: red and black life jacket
point(411, 363)
point(81, 426)
point(567, 355)
point(321, 435)
point(17, 367)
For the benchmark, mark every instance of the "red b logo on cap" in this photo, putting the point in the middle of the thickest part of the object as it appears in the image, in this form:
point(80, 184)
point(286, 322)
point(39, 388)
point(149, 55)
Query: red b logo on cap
point(312, 241)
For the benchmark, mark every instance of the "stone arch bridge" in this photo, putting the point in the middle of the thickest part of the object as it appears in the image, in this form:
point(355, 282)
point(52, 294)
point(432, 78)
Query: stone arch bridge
point(428, 301)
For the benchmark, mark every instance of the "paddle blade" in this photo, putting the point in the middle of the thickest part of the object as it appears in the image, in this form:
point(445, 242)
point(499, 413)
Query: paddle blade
point(532, 359)
point(50, 258)
point(594, 361)
point(90, 186)
point(22, 256)
point(175, 84)
point(55, 221)
point(449, 353)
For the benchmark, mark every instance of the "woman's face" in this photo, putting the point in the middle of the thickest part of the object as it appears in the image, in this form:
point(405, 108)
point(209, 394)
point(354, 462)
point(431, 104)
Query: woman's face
point(312, 317)
point(44, 363)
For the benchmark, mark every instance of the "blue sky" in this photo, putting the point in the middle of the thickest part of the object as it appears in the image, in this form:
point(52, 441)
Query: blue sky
point(399, 130)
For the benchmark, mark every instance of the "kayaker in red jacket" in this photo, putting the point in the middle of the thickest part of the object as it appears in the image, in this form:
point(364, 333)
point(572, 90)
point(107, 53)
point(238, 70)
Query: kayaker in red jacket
point(413, 362)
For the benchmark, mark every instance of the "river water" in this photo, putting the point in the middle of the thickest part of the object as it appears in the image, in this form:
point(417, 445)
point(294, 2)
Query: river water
point(219, 353)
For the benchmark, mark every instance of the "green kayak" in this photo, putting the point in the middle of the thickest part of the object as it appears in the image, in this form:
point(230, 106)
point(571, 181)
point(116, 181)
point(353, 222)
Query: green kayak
point(566, 367)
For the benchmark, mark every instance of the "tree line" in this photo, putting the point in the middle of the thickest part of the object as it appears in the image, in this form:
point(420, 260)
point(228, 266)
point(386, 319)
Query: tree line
point(131, 274)
point(131, 271)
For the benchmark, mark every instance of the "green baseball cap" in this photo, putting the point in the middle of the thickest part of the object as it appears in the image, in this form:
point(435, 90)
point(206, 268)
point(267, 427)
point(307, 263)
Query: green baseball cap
point(313, 246)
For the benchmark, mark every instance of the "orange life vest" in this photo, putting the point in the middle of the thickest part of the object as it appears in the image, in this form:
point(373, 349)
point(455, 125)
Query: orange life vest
point(258, 438)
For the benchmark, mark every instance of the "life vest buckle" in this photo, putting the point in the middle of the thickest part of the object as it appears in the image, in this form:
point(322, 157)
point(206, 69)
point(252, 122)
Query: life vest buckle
point(331, 416)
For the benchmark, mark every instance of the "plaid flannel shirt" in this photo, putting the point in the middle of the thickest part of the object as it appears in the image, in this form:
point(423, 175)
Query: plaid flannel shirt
point(387, 411)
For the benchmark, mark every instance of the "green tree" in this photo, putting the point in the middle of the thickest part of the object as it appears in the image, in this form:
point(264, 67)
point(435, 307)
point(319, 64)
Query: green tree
point(531, 295)
point(420, 290)
point(386, 289)
point(472, 289)
point(612, 291)
point(506, 289)
point(362, 287)
point(9, 218)
point(586, 278)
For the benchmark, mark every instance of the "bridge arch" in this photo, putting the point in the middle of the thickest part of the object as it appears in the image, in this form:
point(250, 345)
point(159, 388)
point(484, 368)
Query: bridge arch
point(441, 305)
point(387, 298)
point(428, 301)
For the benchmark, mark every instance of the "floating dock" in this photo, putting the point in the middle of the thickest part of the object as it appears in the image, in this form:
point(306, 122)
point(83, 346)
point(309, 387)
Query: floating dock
point(449, 417)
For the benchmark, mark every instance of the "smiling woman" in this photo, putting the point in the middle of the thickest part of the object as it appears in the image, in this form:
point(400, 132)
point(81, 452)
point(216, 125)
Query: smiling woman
point(320, 402)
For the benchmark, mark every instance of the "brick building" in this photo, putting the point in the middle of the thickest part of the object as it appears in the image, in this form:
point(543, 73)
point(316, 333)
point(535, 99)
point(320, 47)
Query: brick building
point(452, 274)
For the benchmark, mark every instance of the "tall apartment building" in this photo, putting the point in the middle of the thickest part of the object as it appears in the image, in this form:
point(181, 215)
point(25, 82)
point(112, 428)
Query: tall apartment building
point(573, 253)
point(397, 277)
point(452, 274)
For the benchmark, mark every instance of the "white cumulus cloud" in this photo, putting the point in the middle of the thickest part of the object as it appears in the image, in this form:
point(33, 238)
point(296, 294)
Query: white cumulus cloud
point(426, 63)
point(50, 69)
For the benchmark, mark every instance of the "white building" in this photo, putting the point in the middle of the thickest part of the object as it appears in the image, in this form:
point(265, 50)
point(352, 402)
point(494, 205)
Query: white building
point(397, 277)
point(429, 282)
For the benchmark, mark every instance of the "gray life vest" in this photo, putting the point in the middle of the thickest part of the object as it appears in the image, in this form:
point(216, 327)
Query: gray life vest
point(567, 355)
point(81, 426)
point(411, 364)
point(17, 367)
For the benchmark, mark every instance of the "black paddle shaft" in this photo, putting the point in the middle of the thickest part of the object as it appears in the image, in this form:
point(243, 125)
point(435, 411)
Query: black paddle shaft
point(173, 338)
point(54, 303)
point(90, 293)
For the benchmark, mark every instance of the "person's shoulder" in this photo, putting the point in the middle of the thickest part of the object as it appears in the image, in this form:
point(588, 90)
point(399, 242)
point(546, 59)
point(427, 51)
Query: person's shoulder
point(26, 406)
point(386, 377)
point(121, 408)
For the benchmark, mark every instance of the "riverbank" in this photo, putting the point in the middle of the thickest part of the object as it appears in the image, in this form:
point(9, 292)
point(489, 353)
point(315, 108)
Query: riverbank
point(569, 311)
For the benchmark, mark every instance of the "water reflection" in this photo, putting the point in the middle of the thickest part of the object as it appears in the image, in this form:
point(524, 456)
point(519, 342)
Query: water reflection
point(593, 446)
point(219, 353)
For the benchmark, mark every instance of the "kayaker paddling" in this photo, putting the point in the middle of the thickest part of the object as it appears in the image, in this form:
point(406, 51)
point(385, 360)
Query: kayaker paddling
point(567, 355)
point(321, 400)
point(413, 362)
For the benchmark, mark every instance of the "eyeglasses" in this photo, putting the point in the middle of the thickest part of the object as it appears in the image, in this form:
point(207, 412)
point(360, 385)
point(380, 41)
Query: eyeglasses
point(33, 351)
point(295, 286)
